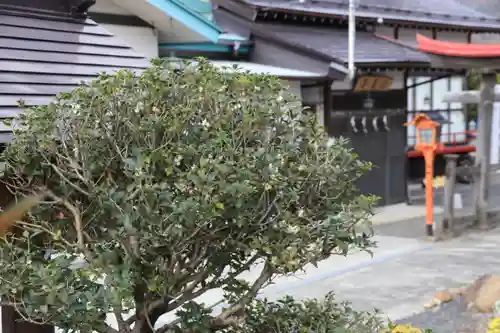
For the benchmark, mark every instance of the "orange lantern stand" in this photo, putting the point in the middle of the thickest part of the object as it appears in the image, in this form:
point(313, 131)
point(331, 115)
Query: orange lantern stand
point(427, 143)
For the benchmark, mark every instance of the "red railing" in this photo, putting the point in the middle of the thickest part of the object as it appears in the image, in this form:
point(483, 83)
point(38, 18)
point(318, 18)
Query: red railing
point(452, 146)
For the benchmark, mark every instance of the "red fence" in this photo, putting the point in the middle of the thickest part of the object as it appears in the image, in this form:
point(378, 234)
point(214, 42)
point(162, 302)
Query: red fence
point(453, 146)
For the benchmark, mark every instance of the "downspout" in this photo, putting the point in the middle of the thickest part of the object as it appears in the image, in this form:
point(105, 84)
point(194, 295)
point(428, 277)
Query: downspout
point(352, 40)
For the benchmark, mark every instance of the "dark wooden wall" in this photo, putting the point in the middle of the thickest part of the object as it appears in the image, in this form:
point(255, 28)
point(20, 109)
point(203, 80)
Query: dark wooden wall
point(13, 323)
point(385, 149)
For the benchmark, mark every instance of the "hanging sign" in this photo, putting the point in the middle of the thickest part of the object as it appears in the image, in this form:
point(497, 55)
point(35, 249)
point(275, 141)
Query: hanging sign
point(373, 83)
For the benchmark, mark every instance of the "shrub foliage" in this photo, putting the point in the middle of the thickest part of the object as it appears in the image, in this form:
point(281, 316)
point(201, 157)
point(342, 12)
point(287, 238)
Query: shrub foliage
point(169, 184)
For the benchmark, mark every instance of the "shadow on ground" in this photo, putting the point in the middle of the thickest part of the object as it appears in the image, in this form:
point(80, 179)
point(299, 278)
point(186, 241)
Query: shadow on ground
point(451, 317)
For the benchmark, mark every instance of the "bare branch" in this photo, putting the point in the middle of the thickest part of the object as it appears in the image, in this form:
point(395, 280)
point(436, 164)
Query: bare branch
point(32, 226)
point(74, 166)
point(69, 182)
point(77, 223)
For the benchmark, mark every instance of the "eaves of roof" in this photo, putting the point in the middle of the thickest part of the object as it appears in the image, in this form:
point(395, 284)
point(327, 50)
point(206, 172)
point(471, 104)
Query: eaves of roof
point(201, 24)
point(328, 44)
point(446, 13)
point(245, 24)
point(333, 43)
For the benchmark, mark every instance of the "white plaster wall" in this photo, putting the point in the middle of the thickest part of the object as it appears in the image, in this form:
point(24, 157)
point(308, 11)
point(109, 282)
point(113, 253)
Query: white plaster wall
point(293, 87)
point(315, 96)
point(176, 32)
point(312, 95)
point(384, 31)
point(460, 37)
point(108, 7)
point(144, 40)
point(407, 35)
point(486, 38)
point(170, 30)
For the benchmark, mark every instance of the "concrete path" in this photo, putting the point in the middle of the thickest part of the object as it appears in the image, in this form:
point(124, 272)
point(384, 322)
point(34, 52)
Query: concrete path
point(400, 212)
point(403, 275)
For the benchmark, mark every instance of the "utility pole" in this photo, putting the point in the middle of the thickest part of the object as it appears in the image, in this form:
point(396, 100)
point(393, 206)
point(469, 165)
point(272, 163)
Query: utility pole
point(351, 39)
point(485, 99)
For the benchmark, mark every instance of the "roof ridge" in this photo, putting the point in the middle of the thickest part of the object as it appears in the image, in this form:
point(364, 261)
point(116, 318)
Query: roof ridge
point(29, 12)
point(392, 9)
point(474, 18)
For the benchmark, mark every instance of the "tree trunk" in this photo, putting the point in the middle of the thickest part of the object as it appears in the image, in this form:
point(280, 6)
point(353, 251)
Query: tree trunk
point(153, 318)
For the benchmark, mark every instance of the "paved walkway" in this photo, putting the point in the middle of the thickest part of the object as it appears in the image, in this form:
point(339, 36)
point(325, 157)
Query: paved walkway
point(403, 275)
point(400, 212)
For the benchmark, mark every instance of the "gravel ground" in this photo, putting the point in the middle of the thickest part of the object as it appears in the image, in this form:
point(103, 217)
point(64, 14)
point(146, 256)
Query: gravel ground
point(451, 317)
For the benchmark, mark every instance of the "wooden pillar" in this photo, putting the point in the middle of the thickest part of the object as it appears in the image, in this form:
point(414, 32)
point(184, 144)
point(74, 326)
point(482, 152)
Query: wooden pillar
point(449, 192)
point(485, 114)
point(485, 99)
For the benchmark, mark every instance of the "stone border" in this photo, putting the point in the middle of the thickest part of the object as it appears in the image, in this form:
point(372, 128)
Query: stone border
point(464, 220)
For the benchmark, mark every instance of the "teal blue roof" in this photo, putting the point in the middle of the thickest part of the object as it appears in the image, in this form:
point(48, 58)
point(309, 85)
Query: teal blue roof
point(196, 15)
point(202, 7)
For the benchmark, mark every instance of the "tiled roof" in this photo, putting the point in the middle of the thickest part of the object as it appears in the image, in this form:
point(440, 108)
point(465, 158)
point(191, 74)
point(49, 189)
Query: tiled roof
point(369, 49)
point(44, 54)
point(459, 13)
point(488, 7)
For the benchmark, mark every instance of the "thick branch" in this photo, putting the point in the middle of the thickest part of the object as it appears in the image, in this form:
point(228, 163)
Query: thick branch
point(123, 327)
point(225, 318)
point(77, 223)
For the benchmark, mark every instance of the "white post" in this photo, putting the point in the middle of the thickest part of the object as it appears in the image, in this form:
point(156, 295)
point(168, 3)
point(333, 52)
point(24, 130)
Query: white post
point(351, 39)
point(495, 135)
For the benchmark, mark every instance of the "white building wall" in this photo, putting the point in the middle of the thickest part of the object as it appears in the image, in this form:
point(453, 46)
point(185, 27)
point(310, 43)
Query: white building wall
point(169, 30)
point(144, 40)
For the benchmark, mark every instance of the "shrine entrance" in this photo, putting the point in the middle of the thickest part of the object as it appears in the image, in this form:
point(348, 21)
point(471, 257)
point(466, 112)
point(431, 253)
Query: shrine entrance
point(373, 122)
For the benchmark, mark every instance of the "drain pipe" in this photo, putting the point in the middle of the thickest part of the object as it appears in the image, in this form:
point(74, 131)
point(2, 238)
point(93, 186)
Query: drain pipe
point(351, 40)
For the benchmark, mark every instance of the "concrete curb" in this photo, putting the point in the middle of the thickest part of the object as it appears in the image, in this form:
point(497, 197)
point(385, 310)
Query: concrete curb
point(464, 220)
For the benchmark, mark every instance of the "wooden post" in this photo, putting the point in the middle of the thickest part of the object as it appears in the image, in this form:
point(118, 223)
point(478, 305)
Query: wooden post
point(449, 192)
point(429, 195)
point(486, 99)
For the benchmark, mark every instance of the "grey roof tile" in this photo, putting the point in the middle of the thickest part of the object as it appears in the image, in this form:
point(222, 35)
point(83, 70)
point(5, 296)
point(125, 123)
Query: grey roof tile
point(488, 7)
point(43, 54)
point(334, 42)
point(460, 13)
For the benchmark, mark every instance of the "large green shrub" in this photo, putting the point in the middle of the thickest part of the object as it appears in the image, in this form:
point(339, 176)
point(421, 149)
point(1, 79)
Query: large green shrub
point(170, 184)
point(318, 316)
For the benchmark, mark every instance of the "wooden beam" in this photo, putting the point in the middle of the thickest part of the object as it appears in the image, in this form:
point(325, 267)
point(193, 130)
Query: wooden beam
point(466, 97)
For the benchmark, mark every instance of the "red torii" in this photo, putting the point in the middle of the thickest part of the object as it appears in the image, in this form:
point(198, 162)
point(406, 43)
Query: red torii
point(454, 49)
point(485, 57)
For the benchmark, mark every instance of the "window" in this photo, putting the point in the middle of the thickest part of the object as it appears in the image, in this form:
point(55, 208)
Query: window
point(427, 96)
point(426, 135)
